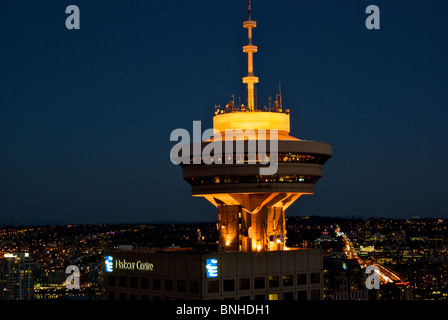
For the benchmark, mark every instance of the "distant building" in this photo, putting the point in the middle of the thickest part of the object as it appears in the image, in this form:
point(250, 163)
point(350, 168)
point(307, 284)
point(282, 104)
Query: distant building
point(16, 276)
point(344, 279)
point(366, 249)
point(395, 291)
point(194, 275)
point(399, 236)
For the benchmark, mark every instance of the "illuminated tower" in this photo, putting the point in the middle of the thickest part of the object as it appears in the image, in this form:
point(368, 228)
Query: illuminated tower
point(251, 206)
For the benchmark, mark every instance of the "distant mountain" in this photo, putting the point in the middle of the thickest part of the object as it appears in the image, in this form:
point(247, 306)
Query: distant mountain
point(35, 222)
point(170, 221)
point(44, 221)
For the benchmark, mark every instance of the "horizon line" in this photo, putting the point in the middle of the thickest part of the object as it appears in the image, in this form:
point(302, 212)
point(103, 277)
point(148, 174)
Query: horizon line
point(57, 222)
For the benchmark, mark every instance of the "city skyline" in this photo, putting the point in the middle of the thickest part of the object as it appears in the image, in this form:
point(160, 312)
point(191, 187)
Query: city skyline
point(86, 115)
point(413, 251)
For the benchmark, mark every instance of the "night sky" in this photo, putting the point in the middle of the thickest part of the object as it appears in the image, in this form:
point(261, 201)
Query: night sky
point(86, 115)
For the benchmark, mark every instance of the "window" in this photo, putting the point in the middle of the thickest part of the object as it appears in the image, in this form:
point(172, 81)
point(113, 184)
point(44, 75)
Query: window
point(315, 277)
point(245, 298)
point(288, 296)
point(111, 295)
point(315, 294)
point(111, 281)
point(156, 284)
point(229, 285)
point(281, 157)
point(122, 296)
point(213, 286)
point(301, 279)
point(133, 282)
point(132, 296)
point(122, 281)
point(259, 283)
point(244, 284)
point(273, 282)
point(181, 286)
point(302, 295)
point(144, 283)
point(259, 297)
point(168, 285)
point(144, 297)
point(194, 286)
point(287, 280)
point(273, 296)
point(252, 179)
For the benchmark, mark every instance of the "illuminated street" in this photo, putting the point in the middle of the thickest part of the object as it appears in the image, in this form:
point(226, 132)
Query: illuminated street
point(386, 274)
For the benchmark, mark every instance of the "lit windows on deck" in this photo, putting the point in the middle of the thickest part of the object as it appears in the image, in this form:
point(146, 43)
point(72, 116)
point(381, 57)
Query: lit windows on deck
point(277, 178)
point(238, 158)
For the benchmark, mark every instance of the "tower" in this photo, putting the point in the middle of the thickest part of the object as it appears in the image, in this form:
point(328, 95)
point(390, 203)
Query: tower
point(251, 205)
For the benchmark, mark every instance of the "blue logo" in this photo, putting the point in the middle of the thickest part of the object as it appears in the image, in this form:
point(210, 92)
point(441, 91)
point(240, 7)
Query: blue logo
point(211, 266)
point(109, 264)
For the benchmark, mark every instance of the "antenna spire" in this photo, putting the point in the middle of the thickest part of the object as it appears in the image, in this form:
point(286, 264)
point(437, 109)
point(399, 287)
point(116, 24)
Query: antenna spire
point(248, 4)
point(250, 80)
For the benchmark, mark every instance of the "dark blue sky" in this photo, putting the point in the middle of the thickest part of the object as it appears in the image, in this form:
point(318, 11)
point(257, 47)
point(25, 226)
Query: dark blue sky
point(86, 115)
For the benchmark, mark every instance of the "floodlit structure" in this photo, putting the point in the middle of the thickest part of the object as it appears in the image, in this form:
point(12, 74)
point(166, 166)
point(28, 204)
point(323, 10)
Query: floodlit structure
point(251, 206)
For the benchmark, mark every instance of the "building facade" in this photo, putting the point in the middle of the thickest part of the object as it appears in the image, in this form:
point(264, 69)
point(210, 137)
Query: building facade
point(344, 279)
point(190, 275)
point(16, 276)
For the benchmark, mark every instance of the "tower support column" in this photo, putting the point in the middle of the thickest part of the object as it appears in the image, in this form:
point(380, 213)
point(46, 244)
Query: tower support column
point(241, 230)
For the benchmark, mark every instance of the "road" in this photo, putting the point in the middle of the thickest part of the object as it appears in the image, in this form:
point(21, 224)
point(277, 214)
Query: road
point(385, 273)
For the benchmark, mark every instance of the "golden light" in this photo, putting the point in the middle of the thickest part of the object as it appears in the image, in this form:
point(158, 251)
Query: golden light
point(251, 120)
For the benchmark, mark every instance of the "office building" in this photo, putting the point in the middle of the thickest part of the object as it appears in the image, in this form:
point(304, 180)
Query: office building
point(344, 279)
point(16, 276)
point(193, 275)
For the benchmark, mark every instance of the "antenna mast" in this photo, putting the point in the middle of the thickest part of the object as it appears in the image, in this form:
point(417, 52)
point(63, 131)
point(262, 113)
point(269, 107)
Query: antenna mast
point(280, 93)
point(250, 80)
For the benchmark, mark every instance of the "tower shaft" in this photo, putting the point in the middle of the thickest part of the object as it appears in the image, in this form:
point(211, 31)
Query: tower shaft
point(240, 230)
